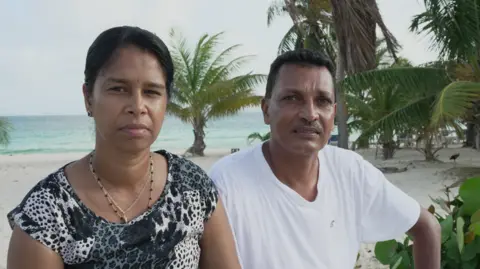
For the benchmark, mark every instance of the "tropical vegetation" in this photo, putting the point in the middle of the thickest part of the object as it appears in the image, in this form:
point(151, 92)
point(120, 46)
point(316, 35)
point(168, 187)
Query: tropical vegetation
point(382, 95)
point(460, 232)
point(258, 136)
point(5, 128)
point(208, 85)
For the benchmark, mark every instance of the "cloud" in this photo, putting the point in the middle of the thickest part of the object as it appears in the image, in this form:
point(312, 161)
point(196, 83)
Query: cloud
point(44, 45)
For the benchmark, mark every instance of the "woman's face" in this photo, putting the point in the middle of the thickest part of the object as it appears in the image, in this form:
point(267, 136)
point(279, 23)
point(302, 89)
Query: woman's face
point(129, 100)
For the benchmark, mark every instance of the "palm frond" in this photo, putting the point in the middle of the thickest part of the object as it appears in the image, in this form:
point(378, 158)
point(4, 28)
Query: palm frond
point(289, 40)
point(5, 129)
point(233, 104)
point(454, 101)
point(452, 26)
point(276, 8)
point(181, 112)
point(409, 79)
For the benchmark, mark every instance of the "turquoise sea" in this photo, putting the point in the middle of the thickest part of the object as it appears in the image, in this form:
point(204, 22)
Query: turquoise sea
point(59, 134)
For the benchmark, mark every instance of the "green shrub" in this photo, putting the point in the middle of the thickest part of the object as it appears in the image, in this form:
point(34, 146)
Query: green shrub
point(460, 233)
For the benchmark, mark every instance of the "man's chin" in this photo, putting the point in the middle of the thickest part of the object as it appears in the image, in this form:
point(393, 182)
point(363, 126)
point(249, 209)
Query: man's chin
point(306, 147)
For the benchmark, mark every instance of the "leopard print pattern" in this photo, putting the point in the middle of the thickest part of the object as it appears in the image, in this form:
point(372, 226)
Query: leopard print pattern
point(166, 236)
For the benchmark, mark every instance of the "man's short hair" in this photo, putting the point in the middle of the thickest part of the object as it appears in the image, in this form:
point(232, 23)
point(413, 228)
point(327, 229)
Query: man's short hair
point(300, 57)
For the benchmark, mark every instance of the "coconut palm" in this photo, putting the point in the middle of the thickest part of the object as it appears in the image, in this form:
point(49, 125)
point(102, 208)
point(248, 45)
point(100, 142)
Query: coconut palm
point(353, 31)
point(5, 128)
point(355, 23)
point(207, 86)
point(422, 98)
point(454, 29)
point(312, 25)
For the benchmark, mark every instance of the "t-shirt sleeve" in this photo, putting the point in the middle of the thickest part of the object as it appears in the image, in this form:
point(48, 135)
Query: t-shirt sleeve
point(39, 216)
point(387, 212)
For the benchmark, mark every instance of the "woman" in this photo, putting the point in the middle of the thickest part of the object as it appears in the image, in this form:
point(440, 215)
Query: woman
point(122, 206)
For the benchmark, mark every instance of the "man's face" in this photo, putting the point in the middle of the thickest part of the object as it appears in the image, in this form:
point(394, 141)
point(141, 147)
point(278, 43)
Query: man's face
point(301, 109)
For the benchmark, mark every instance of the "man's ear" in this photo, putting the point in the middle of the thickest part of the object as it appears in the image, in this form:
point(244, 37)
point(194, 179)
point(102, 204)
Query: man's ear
point(265, 105)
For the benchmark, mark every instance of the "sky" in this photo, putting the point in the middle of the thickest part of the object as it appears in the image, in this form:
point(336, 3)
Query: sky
point(43, 44)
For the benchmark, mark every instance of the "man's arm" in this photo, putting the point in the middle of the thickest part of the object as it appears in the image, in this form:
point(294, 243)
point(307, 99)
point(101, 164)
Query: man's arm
point(426, 234)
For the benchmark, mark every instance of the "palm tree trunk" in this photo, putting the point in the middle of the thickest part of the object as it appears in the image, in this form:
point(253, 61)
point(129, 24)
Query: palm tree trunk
point(342, 116)
point(470, 135)
point(477, 137)
point(198, 147)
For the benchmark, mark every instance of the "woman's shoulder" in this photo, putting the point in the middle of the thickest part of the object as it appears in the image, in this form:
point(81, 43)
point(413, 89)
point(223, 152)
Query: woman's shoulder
point(40, 212)
point(189, 178)
point(185, 171)
point(44, 193)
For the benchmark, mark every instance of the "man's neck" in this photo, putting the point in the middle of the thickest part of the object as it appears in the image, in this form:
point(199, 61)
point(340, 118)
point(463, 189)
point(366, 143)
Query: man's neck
point(121, 169)
point(299, 172)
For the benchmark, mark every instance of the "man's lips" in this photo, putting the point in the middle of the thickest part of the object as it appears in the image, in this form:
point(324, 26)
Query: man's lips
point(307, 130)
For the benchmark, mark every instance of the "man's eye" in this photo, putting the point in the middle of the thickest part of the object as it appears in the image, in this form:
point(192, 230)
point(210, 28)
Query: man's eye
point(117, 89)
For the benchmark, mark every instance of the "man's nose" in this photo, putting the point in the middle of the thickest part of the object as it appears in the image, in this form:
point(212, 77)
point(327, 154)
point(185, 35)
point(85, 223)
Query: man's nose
point(309, 111)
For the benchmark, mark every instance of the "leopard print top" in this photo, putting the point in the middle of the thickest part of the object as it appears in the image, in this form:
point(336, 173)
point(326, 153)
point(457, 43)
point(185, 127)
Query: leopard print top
point(166, 236)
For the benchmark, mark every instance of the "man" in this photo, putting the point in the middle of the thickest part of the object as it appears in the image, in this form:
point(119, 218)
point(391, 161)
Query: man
point(295, 202)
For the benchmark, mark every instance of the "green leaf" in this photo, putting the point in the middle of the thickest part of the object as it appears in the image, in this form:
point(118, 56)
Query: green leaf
point(469, 252)
point(460, 234)
point(471, 264)
point(447, 228)
point(475, 217)
point(475, 228)
point(469, 192)
point(454, 101)
point(451, 248)
point(385, 251)
point(397, 263)
point(406, 261)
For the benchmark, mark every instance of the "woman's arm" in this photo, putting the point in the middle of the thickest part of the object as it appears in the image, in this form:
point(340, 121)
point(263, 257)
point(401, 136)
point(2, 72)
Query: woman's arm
point(217, 244)
point(26, 252)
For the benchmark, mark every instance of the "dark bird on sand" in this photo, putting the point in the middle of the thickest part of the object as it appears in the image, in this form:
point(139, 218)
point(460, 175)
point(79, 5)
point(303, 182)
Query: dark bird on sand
point(454, 157)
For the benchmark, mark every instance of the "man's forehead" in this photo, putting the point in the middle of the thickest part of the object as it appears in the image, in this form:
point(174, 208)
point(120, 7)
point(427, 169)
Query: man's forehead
point(310, 78)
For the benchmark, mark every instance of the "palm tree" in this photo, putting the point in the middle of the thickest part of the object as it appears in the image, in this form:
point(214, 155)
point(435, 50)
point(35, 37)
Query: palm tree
point(5, 129)
point(207, 86)
point(254, 136)
point(347, 25)
point(454, 28)
point(355, 24)
point(312, 25)
point(427, 100)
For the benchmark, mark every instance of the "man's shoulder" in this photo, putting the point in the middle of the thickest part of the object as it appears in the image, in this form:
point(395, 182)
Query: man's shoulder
point(233, 166)
point(337, 155)
point(235, 161)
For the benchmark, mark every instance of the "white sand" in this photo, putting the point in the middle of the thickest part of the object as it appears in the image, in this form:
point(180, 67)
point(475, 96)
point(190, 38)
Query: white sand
point(20, 172)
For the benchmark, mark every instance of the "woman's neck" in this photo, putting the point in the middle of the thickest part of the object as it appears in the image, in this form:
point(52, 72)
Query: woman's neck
point(121, 169)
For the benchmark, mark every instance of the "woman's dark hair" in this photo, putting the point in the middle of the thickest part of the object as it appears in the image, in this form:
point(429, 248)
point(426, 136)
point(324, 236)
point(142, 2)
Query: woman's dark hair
point(107, 43)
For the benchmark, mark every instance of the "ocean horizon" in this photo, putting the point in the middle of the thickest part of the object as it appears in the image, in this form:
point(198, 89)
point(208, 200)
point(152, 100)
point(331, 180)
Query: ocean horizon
point(75, 133)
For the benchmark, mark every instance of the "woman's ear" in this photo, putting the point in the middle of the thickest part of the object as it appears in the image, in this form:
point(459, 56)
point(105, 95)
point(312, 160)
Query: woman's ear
point(87, 100)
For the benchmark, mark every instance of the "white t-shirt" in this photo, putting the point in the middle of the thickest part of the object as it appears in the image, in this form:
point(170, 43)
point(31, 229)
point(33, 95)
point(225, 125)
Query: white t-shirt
point(275, 228)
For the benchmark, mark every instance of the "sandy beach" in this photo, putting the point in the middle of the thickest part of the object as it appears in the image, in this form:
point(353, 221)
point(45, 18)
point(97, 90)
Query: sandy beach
point(18, 173)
